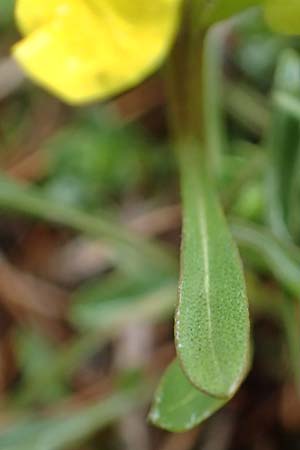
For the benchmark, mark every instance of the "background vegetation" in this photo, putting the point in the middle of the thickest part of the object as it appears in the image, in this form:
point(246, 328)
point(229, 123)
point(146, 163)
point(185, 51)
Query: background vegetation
point(89, 232)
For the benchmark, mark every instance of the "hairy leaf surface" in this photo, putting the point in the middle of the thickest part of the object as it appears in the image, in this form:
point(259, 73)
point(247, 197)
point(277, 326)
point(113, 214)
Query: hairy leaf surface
point(179, 406)
point(212, 321)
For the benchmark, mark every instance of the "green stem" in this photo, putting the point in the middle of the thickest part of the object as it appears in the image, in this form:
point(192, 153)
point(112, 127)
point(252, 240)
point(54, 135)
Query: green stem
point(184, 88)
point(217, 142)
point(185, 100)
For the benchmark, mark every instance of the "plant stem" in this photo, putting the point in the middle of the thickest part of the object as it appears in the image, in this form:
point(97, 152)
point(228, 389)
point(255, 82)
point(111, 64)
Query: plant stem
point(184, 87)
point(184, 84)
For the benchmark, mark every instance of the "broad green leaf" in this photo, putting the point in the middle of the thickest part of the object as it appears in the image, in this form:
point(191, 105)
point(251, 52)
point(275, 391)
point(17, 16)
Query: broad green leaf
point(283, 16)
point(283, 180)
point(212, 320)
point(178, 405)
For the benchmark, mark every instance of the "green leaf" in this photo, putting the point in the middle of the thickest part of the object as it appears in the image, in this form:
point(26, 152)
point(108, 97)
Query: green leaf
point(96, 158)
point(216, 10)
point(132, 251)
point(283, 16)
point(99, 310)
point(279, 257)
point(110, 304)
point(291, 321)
point(63, 431)
point(40, 382)
point(7, 14)
point(212, 320)
point(178, 405)
point(283, 180)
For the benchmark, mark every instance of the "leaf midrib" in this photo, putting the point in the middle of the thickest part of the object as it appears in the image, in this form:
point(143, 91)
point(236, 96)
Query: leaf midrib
point(202, 220)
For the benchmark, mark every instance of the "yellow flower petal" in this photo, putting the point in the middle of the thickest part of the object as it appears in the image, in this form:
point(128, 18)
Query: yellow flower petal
point(88, 49)
point(31, 14)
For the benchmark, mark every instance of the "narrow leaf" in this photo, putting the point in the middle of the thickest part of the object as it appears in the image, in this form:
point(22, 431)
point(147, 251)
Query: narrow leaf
point(291, 321)
point(129, 248)
point(283, 172)
point(212, 320)
point(107, 305)
point(64, 431)
point(280, 258)
point(178, 405)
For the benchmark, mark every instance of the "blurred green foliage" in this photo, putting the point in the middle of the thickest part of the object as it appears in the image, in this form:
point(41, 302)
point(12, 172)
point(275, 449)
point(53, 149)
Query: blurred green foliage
point(6, 17)
point(97, 165)
point(83, 167)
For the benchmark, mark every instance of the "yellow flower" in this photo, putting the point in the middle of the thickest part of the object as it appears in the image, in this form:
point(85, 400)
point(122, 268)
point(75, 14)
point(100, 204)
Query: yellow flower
point(91, 49)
